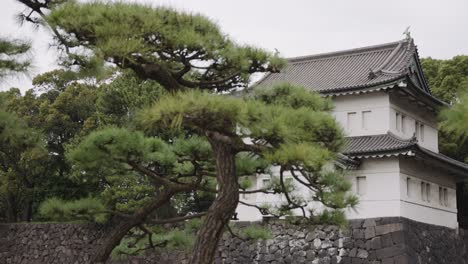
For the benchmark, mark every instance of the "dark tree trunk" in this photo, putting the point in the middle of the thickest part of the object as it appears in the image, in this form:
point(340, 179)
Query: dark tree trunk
point(28, 210)
point(113, 239)
point(223, 207)
point(11, 214)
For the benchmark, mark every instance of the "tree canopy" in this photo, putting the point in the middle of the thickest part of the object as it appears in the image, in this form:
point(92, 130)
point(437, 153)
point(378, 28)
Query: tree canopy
point(159, 124)
point(448, 80)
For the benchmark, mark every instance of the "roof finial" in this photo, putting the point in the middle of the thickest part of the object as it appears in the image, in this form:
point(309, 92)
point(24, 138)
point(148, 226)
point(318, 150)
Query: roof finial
point(407, 33)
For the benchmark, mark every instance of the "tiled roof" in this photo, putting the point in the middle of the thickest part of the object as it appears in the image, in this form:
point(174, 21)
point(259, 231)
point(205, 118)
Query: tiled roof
point(389, 144)
point(375, 144)
point(363, 67)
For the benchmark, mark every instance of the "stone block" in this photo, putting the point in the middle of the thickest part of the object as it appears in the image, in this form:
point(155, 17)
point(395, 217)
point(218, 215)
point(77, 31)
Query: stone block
point(387, 240)
point(369, 222)
point(363, 254)
point(360, 244)
point(388, 228)
point(358, 233)
point(374, 243)
point(388, 261)
point(402, 259)
point(390, 251)
point(369, 232)
point(398, 237)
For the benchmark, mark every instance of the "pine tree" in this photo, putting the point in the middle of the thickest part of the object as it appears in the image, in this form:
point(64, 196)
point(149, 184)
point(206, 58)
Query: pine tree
point(194, 132)
point(12, 59)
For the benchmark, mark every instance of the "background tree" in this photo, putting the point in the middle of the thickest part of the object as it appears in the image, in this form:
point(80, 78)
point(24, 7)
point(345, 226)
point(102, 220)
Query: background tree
point(65, 109)
point(448, 80)
point(22, 158)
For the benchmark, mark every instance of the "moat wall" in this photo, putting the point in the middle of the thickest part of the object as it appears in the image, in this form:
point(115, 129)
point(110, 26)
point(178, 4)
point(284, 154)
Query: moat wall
point(377, 241)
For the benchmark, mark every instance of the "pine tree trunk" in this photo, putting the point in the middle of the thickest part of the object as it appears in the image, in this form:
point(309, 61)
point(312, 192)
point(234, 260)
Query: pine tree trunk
point(223, 207)
point(118, 232)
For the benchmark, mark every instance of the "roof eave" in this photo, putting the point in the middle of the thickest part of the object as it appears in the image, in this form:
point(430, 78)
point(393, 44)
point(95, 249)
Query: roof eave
point(375, 87)
point(417, 92)
point(458, 168)
point(455, 167)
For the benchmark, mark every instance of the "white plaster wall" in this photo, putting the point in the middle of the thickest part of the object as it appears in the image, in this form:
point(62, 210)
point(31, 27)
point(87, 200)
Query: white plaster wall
point(377, 102)
point(414, 112)
point(248, 213)
point(382, 197)
point(386, 193)
point(414, 207)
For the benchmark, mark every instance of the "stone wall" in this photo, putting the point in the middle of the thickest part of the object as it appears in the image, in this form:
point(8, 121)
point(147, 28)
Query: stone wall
point(374, 241)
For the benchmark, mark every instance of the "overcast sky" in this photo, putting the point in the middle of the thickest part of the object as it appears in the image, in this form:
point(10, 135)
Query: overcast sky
point(296, 27)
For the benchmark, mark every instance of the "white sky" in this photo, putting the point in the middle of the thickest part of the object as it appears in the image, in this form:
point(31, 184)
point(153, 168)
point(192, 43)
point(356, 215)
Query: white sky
point(296, 27)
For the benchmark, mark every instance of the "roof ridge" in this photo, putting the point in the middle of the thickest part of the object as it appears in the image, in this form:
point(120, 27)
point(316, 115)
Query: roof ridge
point(340, 53)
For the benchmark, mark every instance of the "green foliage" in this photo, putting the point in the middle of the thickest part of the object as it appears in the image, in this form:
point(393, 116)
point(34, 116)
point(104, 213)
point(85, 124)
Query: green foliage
point(286, 94)
point(175, 239)
point(54, 80)
point(112, 154)
point(330, 217)
point(183, 45)
point(10, 61)
point(448, 80)
point(256, 233)
point(245, 183)
point(455, 119)
point(118, 101)
point(113, 147)
point(193, 225)
point(86, 209)
point(247, 164)
point(189, 57)
point(22, 158)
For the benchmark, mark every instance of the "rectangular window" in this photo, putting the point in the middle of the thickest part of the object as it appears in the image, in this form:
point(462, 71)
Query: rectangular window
point(421, 132)
point(416, 129)
point(423, 191)
point(352, 119)
point(441, 196)
point(446, 200)
point(408, 187)
point(403, 123)
point(361, 185)
point(398, 121)
point(366, 119)
point(428, 192)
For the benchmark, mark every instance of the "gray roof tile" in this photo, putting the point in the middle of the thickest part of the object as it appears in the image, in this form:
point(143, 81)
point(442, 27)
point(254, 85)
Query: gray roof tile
point(363, 67)
point(375, 144)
